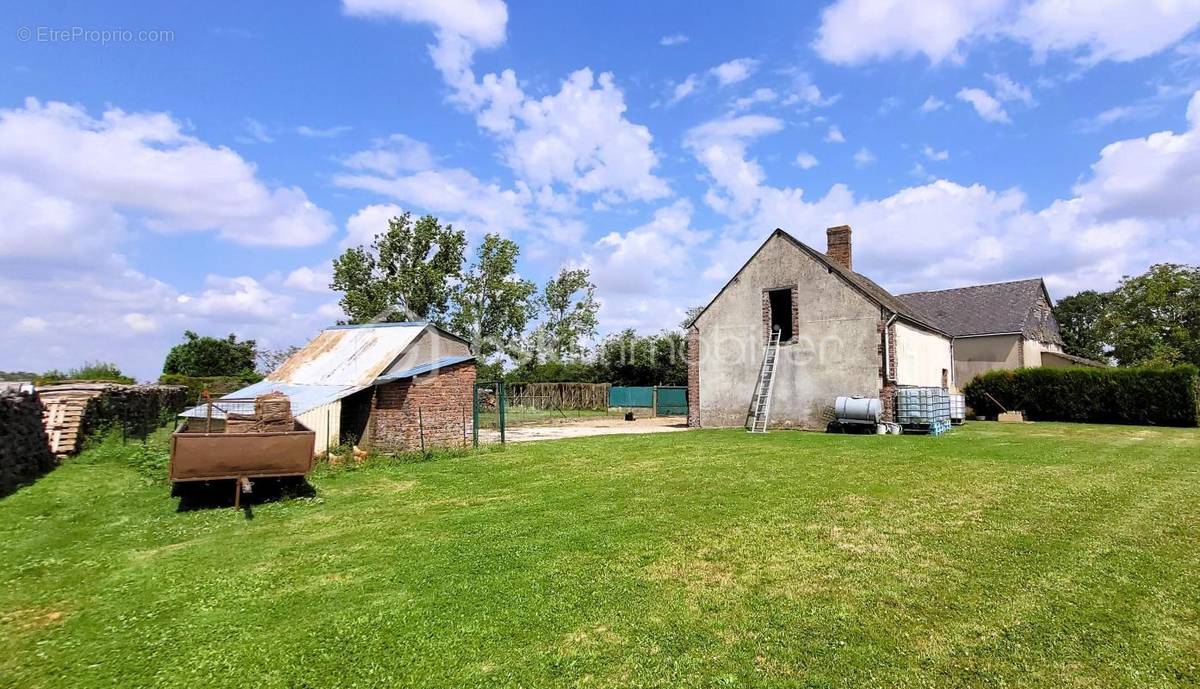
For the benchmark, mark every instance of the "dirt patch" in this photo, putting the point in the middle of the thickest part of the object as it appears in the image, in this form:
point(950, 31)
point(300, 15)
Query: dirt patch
point(29, 620)
point(586, 426)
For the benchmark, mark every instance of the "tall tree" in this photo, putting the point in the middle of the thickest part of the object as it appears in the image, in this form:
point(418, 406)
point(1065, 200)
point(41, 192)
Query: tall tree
point(492, 303)
point(569, 304)
point(211, 356)
point(405, 274)
point(1078, 319)
point(1154, 318)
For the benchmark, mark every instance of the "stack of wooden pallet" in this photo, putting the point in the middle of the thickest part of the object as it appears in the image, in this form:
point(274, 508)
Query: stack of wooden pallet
point(67, 413)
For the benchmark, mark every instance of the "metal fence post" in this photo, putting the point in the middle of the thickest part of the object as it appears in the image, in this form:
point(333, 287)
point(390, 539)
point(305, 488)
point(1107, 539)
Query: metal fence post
point(500, 396)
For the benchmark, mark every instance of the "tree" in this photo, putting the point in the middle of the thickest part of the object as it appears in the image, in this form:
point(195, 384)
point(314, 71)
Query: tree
point(406, 273)
point(211, 356)
point(492, 303)
point(271, 359)
point(1154, 318)
point(689, 316)
point(626, 358)
point(1078, 319)
point(569, 302)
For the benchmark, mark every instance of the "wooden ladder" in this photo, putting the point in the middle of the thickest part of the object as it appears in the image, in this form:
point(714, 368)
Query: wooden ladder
point(761, 404)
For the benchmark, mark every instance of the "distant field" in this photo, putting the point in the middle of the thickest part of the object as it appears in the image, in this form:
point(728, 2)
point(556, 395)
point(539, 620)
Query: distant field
point(1041, 555)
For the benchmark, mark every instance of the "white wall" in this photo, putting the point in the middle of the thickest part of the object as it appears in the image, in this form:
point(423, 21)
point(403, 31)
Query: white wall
point(921, 356)
point(326, 422)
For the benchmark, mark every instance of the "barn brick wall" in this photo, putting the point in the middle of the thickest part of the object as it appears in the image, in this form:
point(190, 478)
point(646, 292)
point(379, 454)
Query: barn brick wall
point(438, 402)
point(693, 377)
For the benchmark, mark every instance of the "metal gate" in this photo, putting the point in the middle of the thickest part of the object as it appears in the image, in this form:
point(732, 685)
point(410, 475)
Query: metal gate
point(671, 401)
point(631, 396)
point(487, 413)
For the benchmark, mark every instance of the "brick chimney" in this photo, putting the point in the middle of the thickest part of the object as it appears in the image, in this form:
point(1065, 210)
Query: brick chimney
point(838, 246)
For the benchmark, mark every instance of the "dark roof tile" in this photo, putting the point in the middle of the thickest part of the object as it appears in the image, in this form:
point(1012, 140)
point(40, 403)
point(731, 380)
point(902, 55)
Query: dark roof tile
point(1002, 307)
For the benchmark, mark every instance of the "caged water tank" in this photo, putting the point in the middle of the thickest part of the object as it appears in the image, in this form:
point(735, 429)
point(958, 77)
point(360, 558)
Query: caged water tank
point(858, 410)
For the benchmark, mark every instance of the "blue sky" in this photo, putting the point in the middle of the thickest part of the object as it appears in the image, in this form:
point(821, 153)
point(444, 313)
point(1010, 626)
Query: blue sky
point(204, 178)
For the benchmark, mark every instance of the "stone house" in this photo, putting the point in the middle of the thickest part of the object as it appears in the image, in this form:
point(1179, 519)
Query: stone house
point(1004, 325)
point(387, 386)
point(841, 334)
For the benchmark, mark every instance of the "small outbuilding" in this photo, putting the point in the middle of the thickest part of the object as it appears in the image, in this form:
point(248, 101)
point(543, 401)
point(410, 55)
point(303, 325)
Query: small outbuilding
point(393, 387)
point(1003, 325)
point(840, 334)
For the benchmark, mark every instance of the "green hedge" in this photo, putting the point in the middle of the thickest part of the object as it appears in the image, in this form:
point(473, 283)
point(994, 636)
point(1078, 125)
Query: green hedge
point(216, 385)
point(1142, 396)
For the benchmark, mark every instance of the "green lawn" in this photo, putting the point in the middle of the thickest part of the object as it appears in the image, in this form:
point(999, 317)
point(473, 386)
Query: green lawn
point(1041, 555)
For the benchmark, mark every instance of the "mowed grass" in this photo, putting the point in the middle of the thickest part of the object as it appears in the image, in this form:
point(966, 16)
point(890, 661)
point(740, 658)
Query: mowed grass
point(1030, 556)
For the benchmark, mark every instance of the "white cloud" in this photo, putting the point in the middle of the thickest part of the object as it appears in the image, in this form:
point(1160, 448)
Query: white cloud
point(1120, 113)
point(673, 40)
point(393, 155)
point(857, 31)
point(734, 71)
point(140, 322)
point(235, 300)
point(685, 88)
point(578, 137)
point(985, 105)
point(805, 93)
point(323, 133)
point(760, 95)
point(863, 157)
point(1008, 90)
point(310, 279)
point(933, 154)
point(806, 161)
point(1135, 208)
point(835, 136)
point(482, 22)
point(256, 132)
point(31, 324)
point(933, 104)
point(144, 165)
point(369, 221)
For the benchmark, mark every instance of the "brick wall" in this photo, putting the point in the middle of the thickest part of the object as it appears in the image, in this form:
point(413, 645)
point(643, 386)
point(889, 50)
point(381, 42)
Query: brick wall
point(887, 394)
point(438, 402)
point(693, 376)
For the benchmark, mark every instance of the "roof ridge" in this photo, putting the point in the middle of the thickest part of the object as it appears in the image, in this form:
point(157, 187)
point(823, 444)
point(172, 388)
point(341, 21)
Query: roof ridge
point(963, 287)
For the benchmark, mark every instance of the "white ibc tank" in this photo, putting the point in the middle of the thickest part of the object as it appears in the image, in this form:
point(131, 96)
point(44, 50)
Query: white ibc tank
point(864, 410)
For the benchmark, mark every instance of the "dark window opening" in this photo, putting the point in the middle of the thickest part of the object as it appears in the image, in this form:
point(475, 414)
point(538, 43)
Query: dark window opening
point(781, 313)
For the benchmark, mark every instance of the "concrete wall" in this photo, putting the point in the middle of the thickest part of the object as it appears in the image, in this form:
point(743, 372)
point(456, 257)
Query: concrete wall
point(430, 345)
point(975, 355)
point(836, 351)
point(921, 356)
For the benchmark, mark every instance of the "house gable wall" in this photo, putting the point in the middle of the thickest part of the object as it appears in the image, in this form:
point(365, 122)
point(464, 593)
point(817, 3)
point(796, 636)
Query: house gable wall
point(836, 350)
point(921, 356)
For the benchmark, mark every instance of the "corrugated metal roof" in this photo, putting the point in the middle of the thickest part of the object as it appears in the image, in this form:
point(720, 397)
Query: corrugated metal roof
point(423, 368)
point(348, 355)
point(302, 397)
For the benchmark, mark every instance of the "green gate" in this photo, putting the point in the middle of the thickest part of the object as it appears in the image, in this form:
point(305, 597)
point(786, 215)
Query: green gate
point(487, 413)
point(631, 396)
point(672, 401)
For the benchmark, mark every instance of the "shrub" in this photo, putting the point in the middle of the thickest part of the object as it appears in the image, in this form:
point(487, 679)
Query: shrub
point(91, 370)
point(1143, 396)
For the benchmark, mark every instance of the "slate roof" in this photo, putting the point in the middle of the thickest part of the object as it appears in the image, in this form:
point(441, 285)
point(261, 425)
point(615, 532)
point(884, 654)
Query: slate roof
point(1003, 307)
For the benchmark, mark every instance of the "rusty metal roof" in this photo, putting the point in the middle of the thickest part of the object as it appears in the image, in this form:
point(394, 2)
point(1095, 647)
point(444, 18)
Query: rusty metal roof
point(351, 356)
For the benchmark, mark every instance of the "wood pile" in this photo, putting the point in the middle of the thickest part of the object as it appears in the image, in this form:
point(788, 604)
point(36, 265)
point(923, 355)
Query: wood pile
point(272, 414)
point(24, 452)
point(74, 410)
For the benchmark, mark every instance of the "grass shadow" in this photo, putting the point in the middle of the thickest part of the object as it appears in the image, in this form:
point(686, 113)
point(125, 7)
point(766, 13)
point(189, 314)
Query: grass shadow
point(207, 495)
